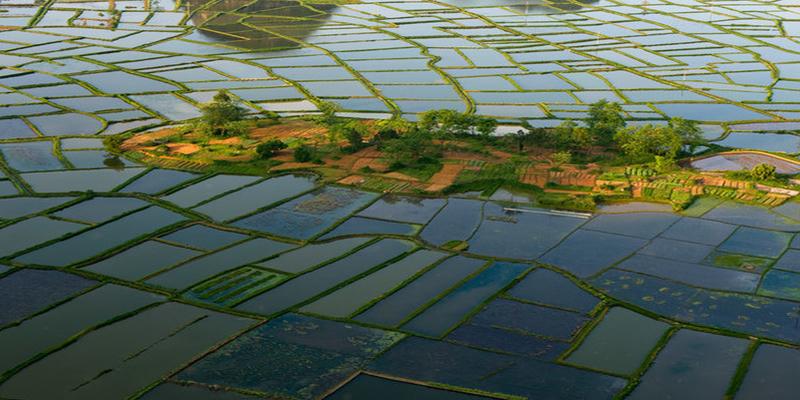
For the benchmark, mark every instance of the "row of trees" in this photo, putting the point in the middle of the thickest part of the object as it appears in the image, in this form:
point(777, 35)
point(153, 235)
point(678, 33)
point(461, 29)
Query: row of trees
point(605, 127)
point(409, 143)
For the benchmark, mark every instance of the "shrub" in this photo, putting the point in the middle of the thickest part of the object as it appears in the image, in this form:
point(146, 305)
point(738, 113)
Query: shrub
point(562, 157)
point(269, 148)
point(763, 172)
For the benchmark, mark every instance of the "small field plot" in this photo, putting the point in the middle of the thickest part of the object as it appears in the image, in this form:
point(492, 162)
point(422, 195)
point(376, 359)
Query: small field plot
point(520, 233)
point(98, 180)
point(24, 341)
point(102, 238)
point(543, 286)
point(148, 346)
point(458, 220)
point(196, 270)
point(769, 374)
point(455, 365)
point(293, 355)
point(356, 295)
point(308, 257)
point(619, 343)
point(451, 309)
point(311, 284)
point(309, 214)
point(257, 196)
point(142, 260)
point(693, 365)
point(27, 291)
point(585, 252)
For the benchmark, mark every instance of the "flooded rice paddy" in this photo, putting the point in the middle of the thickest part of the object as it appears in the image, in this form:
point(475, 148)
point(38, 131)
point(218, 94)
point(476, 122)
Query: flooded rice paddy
point(122, 281)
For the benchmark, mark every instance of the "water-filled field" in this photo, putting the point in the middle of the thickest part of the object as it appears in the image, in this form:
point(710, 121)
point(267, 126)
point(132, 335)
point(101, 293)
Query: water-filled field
point(122, 281)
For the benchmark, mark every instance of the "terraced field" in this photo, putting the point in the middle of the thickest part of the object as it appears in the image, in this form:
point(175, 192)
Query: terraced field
point(122, 281)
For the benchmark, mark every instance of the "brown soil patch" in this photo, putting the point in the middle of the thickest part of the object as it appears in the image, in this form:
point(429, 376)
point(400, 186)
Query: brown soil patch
point(292, 165)
point(229, 141)
point(141, 139)
point(400, 176)
point(183, 148)
point(352, 180)
point(445, 177)
point(290, 129)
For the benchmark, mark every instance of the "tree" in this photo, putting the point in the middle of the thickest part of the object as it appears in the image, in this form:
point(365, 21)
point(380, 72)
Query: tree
point(763, 172)
point(411, 148)
point(352, 131)
point(445, 124)
point(604, 120)
point(520, 136)
point(568, 135)
point(303, 153)
point(222, 117)
point(689, 131)
point(642, 144)
point(269, 148)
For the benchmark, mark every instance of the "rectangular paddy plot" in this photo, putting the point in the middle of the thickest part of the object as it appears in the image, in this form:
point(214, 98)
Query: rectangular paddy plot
point(693, 365)
point(369, 226)
point(356, 295)
point(260, 195)
point(308, 215)
point(771, 374)
point(692, 274)
point(147, 346)
point(543, 286)
point(310, 256)
point(454, 365)
point(451, 309)
point(364, 386)
point(200, 269)
point(311, 284)
point(21, 206)
point(100, 209)
point(102, 238)
point(30, 156)
point(142, 260)
point(98, 180)
point(519, 328)
point(458, 220)
point(235, 286)
point(619, 343)
point(43, 331)
point(415, 210)
point(520, 233)
point(157, 181)
point(292, 356)
point(31, 232)
point(203, 237)
point(754, 315)
point(27, 291)
point(585, 252)
point(397, 307)
point(208, 188)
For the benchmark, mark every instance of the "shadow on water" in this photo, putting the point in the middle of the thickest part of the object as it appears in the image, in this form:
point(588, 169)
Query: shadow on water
point(260, 24)
point(265, 24)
